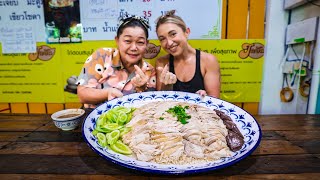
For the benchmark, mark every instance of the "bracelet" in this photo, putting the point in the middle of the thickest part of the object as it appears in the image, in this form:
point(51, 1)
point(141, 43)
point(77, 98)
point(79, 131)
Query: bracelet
point(283, 93)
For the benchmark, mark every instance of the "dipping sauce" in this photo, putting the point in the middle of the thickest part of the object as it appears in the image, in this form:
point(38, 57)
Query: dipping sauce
point(68, 115)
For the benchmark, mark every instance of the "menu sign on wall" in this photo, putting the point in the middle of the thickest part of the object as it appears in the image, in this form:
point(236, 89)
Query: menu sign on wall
point(100, 18)
point(18, 39)
point(47, 75)
point(241, 63)
point(32, 77)
point(27, 13)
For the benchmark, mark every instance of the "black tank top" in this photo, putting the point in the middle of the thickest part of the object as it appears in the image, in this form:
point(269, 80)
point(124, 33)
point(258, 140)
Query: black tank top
point(195, 84)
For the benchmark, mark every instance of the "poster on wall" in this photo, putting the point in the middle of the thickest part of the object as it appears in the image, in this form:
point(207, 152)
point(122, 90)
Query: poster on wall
point(27, 14)
point(57, 21)
point(62, 21)
point(100, 17)
point(17, 39)
point(44, 76)
point(32, 77)
point(241, 64)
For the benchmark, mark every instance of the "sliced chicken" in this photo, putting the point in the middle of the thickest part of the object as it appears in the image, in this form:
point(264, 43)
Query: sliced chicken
point(158, 136)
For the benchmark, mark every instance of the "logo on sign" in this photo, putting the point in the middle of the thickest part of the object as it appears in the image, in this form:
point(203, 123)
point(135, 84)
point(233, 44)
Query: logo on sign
point(152, 51)
point(44, 53)
point(254, 50)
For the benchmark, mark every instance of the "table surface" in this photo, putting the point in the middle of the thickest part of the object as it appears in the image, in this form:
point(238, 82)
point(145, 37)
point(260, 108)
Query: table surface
point(32, 147)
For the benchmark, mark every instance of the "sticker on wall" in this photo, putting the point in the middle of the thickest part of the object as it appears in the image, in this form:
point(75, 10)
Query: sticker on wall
point(62, 21)
point(152, 51)
point(44, 53)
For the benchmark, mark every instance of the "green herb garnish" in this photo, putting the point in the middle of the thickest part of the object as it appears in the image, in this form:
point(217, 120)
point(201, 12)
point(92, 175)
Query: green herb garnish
point(161, 118)
point(179, 112)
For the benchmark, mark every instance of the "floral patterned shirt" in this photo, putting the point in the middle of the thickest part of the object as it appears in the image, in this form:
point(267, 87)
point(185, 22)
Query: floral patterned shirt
point(103, 69)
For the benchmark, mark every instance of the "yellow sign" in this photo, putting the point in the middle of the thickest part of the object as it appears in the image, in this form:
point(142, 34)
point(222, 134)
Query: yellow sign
point(31, 77)
point(73, 57)
point(49, 75)
point(241, 63)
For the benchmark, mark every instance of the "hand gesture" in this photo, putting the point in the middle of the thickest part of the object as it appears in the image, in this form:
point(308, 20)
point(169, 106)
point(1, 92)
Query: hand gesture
point(114, 93)
point(140, 78)
point(167, 77)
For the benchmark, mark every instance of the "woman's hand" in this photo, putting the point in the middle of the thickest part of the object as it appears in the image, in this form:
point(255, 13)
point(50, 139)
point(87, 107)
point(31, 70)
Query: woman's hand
point(167, 77)
point(201, 92)
point(140, 80)
point(113, 93)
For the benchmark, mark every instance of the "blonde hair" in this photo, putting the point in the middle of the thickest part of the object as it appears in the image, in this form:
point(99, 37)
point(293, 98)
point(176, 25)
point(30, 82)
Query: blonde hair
point(170, 17)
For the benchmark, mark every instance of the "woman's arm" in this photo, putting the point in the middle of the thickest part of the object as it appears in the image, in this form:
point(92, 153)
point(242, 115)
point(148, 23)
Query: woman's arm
point(211, 76)
point(89, 95)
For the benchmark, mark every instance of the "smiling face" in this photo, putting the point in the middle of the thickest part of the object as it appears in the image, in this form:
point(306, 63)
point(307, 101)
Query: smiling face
point(132, 44)
point(172, 38)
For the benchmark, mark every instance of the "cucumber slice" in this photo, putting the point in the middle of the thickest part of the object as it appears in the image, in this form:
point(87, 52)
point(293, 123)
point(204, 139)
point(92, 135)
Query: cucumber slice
point(122, 118)
point(102, 139)
point(109, 127)
point(113, 137)
point(121, 148)
point(124, 131)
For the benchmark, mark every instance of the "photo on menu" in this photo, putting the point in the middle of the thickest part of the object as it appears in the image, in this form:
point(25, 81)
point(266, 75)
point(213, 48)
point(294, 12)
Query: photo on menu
point(62, 21)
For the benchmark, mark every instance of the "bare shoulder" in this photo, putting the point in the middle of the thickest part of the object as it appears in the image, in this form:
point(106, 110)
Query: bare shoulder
point(209, 60)
point(163, 60)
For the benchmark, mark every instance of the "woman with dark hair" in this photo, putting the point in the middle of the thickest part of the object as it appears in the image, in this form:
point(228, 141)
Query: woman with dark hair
point(114, 72)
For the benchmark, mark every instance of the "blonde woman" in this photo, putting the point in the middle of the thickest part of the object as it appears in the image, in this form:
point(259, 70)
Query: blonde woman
point(184, 68)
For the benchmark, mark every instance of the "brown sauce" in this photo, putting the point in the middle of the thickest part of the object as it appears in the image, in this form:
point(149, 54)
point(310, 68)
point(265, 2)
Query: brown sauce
point(67, 115)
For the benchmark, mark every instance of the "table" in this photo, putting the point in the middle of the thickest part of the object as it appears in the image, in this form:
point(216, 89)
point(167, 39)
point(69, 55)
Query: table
point(32, 147)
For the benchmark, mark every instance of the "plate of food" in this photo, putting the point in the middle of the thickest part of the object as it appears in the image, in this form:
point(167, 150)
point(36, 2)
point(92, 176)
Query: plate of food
point(171, 132)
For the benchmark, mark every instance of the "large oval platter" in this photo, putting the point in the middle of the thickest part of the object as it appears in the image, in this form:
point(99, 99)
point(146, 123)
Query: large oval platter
point(247, 125)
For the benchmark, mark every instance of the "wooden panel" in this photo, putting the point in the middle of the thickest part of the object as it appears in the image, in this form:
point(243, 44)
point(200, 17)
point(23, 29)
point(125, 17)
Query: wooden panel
point(54, 107)
point(252, 108)
point(24, 125)
point(255, 31)
point(309, 176)
point(37, 108)
point(224, 19)
point(267, 147)
point(4, 108)
point(238, 104)
point(237, 19)
point(49, 148)
point(73, 105)
point(11, 136)
point(82, 177)
point(289, 122)
point(277, 147)
point(19, 108)
point(60, 164)
point(289, 149)
point(256, 22)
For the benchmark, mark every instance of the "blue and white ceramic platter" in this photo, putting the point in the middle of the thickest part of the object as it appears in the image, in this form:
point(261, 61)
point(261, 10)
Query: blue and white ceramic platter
point(248, 126)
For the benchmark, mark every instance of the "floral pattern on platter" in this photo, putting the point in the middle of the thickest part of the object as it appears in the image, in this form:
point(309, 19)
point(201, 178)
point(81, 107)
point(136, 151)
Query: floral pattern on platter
point(68, 124)
point(245, 122)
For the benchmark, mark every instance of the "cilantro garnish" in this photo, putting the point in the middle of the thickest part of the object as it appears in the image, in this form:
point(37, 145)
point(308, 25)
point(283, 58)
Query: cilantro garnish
point(179, 112)
point(161, 118)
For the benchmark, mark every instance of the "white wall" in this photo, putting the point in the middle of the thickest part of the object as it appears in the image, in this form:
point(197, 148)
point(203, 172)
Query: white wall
point(276, 23)
point(298, 14)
